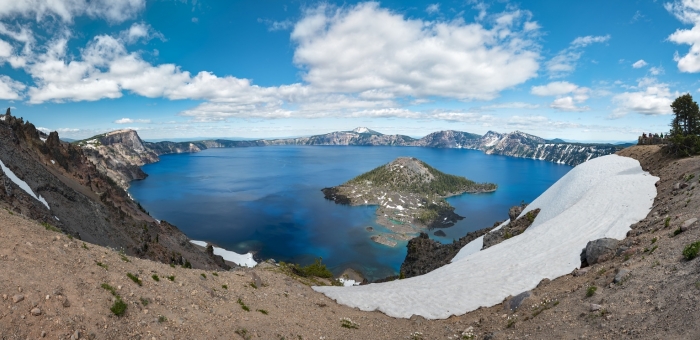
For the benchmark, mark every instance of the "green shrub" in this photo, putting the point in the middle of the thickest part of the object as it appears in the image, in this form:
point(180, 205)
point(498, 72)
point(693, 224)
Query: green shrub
point(691, 251)
point(252, 284)
point(263, 311)
point(162, 319)
point(102, 265)
point(224, 286)
point(171, 277)
point(46, 225)
point(215, 274)
point(144, 301)
point(317, 269)
point(667, 221)
point(155, 277)
point(119, 307)
point(187, 264)
point(245, 308)
point(677, 231)
point(591, 290)
point(109, 288)
point(134, 278)
point(653, 240)
point(203, 275)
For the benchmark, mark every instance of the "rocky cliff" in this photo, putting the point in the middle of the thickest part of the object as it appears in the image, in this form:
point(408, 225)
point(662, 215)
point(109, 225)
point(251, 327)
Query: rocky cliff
point(119, 154)
point(57, 184)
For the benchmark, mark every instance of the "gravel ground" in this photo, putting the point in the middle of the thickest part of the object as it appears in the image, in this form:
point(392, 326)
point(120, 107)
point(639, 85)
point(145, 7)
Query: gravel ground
point(60, 285)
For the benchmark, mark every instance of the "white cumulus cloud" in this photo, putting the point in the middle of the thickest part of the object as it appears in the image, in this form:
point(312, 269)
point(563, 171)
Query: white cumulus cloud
point(687, 11)
point(568, 95)
point(652, 98)
point(639, 63)
point(365, 47)
point(10, 89)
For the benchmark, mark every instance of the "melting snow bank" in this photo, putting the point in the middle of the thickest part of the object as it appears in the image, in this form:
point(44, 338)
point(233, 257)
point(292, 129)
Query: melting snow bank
point(245, 260)
point(22, 184)
point(599, 198)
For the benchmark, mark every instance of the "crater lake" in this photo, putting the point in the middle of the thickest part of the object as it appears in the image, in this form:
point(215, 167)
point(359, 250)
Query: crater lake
point(268, 200)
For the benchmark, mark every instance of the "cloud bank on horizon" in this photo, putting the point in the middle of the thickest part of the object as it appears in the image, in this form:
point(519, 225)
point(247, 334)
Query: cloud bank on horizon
point(83, 66)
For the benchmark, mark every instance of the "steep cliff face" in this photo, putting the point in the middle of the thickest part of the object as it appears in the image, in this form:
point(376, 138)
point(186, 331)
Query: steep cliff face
point(520, 144)
point(119, 154)
point(55, 183)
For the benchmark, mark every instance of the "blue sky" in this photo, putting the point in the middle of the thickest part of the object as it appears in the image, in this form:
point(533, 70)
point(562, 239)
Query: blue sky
point(578, 70)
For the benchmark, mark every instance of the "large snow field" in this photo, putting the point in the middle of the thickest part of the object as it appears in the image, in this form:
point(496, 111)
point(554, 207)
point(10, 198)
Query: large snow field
point(22, 184)
point(599, 198)
point(245, 260)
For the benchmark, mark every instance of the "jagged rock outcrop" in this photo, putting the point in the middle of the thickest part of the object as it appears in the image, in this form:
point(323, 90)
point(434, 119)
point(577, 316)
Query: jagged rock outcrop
point(513, 228)
point(599, 250)
point(425, 255)
point(119, 154)
point(81, 201)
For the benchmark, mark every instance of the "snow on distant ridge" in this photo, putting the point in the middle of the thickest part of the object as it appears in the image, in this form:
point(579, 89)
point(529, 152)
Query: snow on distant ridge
point(361, 130)
point(245, 260)
point(599, 198)
point(22, 184)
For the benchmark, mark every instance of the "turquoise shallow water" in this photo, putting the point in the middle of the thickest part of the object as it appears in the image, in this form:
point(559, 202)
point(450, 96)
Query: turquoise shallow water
point(268, 199)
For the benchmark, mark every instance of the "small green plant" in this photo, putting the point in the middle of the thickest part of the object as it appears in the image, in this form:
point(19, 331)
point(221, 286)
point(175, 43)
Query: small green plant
point(101, 265)
point(656, 263)
point(144, 301)
point(171, 277)
point(263, 311)
point(667, 221)
point(252, 284)
point(70, 236)
point(155, 277)
point(215, 274)
point(627, 257)
point(162, 319)
point(691, 251)
point(651, 251)
point(224, 286)
point(187, 264)
point(172, 265)
point(109, 289)
point(134, 278)
point(245, 308)
point(44, 224)
point(124, 258)
point(653, 240)
point(591, 290)
point(203, 275)
point(601, 271)
point(347, 323)
point(507, 235)
point(118, 307)
point(677, 231)
point(85, 246)
point(402, 276)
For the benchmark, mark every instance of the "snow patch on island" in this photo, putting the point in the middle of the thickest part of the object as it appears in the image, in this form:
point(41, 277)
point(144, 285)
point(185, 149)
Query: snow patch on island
point(22, 184)
point(245, 260)
point(599, 198)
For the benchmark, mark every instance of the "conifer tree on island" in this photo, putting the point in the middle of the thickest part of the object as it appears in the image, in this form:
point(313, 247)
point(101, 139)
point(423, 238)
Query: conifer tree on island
point(685, 127)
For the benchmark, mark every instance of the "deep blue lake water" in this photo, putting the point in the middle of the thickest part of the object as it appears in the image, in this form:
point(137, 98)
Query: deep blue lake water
point(268, 199)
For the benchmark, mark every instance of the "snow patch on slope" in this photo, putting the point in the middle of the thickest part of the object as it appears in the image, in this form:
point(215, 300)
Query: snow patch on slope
point(599, 198)
point(22, 184)
point(245, 260)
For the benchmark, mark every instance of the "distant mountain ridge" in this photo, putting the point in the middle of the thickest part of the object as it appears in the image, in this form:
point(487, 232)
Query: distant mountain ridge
point(126, 152)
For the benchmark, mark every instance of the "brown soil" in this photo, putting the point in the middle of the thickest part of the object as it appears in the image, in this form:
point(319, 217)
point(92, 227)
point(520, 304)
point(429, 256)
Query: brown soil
point(658, 300)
